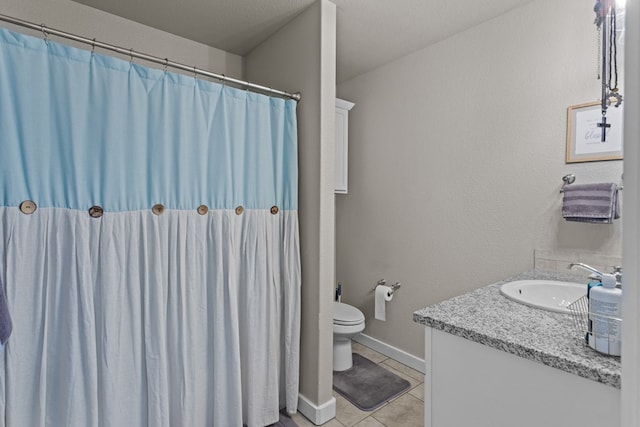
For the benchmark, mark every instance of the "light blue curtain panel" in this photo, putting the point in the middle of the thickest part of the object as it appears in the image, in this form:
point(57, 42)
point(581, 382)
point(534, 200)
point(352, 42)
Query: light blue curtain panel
point(87, 129)
point(177, 301)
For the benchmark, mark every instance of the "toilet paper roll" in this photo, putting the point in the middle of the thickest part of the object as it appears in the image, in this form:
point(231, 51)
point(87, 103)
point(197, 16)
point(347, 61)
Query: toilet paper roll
point(383, 294)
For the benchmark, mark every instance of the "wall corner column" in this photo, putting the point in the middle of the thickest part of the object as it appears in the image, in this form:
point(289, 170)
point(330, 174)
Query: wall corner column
point(301, 57)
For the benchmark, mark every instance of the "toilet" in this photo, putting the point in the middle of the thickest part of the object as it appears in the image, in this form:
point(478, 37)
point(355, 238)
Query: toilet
point(348, 322)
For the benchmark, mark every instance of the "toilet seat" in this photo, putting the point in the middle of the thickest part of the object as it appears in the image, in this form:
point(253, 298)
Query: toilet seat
point(346, 315)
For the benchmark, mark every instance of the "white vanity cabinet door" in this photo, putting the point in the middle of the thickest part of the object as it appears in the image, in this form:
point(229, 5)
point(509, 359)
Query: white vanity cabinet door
point(342, 145)
point(471, 384)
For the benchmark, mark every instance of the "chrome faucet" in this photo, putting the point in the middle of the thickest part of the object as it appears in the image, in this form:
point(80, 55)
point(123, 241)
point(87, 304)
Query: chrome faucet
point(586, 267)
point(617, 271)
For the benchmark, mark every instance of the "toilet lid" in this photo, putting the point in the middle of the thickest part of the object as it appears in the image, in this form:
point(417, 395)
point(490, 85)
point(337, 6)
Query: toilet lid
point(345, 314)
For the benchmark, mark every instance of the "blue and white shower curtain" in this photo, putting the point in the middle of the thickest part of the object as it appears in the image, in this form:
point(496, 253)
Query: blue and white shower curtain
point(149, 244)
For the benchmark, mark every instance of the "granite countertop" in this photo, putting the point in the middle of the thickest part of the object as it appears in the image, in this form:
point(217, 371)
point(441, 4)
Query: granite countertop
point(487, 317)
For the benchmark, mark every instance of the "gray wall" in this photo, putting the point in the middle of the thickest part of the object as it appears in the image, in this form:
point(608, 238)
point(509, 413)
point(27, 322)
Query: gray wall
point(301, 57)
point(456, 157)
point(88, 22)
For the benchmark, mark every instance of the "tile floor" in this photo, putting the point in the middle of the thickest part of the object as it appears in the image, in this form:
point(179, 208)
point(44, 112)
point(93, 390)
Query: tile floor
point(406, 410)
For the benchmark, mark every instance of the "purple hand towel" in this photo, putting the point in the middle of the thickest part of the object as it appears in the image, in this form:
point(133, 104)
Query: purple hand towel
point(5, 319)
point(594, 203)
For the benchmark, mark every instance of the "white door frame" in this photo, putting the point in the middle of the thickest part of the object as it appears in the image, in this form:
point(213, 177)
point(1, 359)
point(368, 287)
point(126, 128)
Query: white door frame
point(631, 222)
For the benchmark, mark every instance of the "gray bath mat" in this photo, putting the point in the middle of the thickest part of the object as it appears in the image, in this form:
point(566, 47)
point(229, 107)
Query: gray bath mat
point(367, 385)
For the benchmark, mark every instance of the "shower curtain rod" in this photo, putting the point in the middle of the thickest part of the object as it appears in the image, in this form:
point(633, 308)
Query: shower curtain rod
point(133, 54)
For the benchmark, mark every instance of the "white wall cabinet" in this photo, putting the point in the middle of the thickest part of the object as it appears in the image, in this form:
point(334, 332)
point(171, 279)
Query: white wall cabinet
point(342, 145)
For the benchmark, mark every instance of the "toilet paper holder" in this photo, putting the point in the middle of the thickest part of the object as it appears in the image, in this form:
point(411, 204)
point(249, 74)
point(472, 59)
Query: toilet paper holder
point(383, 282)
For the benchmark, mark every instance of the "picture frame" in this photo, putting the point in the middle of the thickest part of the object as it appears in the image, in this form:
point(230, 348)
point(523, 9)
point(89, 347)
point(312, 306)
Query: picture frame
point(584, 137)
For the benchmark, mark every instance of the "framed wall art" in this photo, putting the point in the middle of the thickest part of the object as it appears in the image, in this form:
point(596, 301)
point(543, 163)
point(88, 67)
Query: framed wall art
point(584, 136)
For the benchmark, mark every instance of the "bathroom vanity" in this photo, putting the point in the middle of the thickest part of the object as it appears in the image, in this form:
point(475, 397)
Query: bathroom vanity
point(493, 362)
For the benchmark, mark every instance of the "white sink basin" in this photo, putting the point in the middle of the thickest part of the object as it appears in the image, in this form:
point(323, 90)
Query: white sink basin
point(545, 294)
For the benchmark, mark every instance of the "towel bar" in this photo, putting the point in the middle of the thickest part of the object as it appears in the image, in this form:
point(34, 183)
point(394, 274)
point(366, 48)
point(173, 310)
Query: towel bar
point(568, 179)
point(571, 178)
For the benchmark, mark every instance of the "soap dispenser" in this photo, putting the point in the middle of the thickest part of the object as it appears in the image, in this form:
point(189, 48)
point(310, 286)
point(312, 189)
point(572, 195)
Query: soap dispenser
point(594, 280)
point(605, 308)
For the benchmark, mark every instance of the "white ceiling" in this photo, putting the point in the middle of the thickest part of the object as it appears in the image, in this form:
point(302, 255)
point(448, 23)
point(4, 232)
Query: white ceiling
point(370, 33)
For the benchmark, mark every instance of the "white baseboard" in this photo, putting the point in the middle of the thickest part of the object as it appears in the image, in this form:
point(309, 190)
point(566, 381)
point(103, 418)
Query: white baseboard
point(318, 415)
point(393, 352)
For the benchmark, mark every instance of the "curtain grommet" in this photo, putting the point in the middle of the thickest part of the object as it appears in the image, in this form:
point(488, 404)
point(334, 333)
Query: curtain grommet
point(157, 209)
point(28, 207)
point(274, 210)
point(203, 209)
point(95, 211)
point(239, 210)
